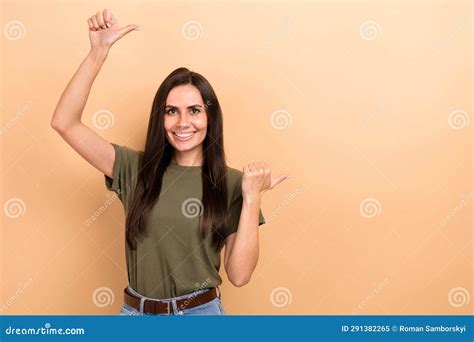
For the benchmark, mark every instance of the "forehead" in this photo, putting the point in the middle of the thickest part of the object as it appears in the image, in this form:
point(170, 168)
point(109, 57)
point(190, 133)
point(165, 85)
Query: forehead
point(183, 96)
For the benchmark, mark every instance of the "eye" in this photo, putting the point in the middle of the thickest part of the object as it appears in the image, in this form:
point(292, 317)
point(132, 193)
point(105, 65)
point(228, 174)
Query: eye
point(171, 110)
point(195, 110)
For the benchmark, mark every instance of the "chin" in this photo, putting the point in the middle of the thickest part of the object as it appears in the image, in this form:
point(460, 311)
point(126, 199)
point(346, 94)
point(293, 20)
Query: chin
point(183, 148)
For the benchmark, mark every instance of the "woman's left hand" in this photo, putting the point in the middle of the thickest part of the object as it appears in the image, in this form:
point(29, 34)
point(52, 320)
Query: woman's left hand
point(257, 179)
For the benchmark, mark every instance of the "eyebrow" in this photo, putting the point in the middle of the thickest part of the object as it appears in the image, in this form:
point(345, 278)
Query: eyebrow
point(192, 106)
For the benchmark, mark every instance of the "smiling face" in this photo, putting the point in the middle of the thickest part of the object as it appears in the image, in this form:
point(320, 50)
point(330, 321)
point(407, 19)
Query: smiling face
point(185, 120)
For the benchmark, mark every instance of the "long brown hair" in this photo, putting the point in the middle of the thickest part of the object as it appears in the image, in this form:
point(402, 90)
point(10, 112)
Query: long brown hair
point(157, 156)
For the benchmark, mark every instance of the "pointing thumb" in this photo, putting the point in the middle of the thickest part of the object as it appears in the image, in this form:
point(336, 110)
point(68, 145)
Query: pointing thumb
point(124, 30)
point(278, 180)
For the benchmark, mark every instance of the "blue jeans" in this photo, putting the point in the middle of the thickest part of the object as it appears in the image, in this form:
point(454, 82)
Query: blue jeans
point(214, 307)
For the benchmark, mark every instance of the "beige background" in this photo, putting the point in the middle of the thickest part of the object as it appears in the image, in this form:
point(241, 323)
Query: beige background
point(367, 105)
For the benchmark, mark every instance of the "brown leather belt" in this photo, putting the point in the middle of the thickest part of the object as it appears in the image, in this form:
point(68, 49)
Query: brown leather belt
point(156, 306)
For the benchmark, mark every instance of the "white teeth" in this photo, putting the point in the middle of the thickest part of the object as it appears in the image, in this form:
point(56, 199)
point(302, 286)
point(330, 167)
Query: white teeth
point(183, 135)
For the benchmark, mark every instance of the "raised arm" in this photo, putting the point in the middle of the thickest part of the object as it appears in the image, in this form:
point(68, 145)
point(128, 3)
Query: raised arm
point(103, 33)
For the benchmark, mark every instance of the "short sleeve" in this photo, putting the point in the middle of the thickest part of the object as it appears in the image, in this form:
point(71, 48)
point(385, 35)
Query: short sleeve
point(235, 209)
point(125, 172)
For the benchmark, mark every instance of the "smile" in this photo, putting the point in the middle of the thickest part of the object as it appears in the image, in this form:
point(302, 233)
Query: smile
point(183, 136)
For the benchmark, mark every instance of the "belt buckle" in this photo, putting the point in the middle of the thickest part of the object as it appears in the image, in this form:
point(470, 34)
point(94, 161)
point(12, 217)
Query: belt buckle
point(168, 309)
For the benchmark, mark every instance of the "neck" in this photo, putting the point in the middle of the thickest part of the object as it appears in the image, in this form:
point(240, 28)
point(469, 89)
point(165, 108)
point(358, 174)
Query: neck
point(188, 158)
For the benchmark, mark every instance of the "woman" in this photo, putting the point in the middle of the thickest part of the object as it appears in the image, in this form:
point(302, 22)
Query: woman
point(182, 202)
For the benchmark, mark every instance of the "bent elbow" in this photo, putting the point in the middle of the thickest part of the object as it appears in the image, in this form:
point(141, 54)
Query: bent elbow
point(54, 125)
point(57, 126)
point(61, 125)
point(239, 282)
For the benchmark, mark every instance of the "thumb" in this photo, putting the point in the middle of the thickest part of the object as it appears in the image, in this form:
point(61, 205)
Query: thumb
point(278, 180)
point(124, 30)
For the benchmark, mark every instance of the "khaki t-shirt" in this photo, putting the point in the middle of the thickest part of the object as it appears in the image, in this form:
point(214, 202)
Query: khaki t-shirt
point(173, 260)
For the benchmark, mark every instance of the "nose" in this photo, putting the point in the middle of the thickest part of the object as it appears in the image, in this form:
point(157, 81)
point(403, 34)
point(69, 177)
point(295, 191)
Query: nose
point(183, 121)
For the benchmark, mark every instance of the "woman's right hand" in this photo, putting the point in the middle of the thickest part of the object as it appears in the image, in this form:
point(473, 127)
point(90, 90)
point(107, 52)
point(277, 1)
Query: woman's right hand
point(104, 30)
